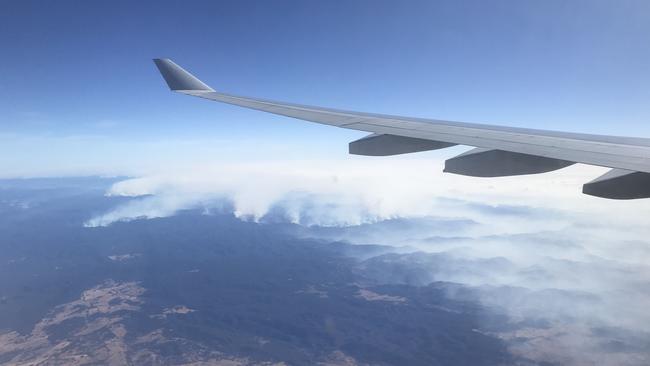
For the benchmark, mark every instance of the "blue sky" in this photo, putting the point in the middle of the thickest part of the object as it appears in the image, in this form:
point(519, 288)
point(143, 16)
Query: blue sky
point(78, 87)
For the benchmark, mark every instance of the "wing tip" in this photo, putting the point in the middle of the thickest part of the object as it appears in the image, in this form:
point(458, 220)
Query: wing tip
point(177, 78)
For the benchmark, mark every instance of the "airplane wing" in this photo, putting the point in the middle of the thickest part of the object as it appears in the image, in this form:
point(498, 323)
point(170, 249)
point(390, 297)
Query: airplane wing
point(499, 151)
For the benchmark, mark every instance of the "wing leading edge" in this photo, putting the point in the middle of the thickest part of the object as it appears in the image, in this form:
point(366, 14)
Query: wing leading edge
point(500, 151)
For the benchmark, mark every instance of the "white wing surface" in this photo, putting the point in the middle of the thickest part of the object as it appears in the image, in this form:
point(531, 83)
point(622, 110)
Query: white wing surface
point(499, 151)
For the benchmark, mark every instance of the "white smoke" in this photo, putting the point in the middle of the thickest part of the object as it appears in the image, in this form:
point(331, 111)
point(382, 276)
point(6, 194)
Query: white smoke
point(354, 191)
point(537, 247)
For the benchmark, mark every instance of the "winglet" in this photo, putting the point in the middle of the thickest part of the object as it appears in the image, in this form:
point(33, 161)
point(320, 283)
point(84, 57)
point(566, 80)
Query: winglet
point(177, 78)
